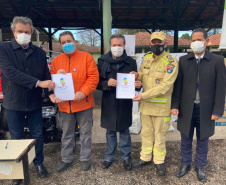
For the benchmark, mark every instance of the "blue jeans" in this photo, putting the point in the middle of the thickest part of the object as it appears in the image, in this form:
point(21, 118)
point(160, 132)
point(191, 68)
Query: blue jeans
point(16, 121)
point(202, 145)
point(125, 145)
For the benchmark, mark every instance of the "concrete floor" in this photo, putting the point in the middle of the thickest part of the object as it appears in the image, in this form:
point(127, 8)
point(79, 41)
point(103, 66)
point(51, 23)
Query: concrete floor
point(99, 133)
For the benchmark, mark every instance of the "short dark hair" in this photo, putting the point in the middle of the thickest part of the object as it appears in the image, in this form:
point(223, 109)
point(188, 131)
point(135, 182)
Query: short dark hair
point(200, 30)
point(66, 33)
point(118, 36)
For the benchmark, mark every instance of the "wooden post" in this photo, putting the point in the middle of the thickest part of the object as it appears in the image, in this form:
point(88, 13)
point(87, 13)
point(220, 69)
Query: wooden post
point(176, 28)
point(107, 23)
point(102, 34)
point(50, 41)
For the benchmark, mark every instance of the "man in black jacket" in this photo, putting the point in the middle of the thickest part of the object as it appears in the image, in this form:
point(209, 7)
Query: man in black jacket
point(24, 74)
point(116, 114)
point(198, 100)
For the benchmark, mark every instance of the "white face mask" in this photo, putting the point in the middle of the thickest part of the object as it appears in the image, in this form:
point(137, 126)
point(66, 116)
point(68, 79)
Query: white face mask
point(23, 39)
point(117, 51)
point(198, 46)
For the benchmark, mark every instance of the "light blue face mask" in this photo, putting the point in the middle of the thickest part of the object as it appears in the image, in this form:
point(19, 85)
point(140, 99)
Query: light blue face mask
point(69, 48)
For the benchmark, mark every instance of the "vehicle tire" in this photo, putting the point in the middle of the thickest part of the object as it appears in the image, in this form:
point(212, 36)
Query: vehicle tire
point(4, 124)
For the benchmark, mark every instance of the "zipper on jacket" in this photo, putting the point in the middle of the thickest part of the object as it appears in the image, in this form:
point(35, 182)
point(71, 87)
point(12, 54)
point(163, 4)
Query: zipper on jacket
point(69, 72)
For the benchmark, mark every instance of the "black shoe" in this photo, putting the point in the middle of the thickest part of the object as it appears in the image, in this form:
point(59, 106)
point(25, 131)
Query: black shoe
point(63, 166)
point(161, 169)
point(183, 170)
point(201, 174)
point(106, 164)
point(86, 165)
point(42, 171)
point(127, 164)
point(17, 181)
point(140, 163)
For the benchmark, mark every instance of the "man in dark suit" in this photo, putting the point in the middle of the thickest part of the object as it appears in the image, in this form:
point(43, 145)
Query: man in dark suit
point(198, 100)
point(116, 114)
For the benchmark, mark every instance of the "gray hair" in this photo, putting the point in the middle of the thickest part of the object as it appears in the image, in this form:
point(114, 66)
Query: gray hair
point(23, 20)
point(118, 36)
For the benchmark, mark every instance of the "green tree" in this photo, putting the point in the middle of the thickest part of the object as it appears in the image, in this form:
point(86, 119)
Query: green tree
point(186, 36)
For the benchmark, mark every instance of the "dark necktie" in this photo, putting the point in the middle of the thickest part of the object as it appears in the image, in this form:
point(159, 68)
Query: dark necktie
point(197, 97)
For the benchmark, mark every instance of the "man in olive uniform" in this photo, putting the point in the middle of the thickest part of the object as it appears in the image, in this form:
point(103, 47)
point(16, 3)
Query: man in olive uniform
point(157, 73)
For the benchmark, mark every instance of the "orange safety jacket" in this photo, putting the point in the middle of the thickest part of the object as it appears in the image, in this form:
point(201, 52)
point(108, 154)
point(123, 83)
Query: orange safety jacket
point(85, 78)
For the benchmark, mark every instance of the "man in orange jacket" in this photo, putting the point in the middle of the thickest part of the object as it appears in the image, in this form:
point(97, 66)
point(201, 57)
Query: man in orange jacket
point(85, 78)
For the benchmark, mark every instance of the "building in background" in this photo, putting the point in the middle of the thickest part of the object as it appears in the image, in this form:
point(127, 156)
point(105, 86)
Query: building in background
point(143, 42)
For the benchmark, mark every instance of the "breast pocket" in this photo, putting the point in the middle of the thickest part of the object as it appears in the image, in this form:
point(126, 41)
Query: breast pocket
point(158, 78)
point(145, 74)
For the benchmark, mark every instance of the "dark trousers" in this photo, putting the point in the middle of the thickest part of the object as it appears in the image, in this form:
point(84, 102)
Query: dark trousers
point(202, 145)
point(125, 145)
point(16, 122)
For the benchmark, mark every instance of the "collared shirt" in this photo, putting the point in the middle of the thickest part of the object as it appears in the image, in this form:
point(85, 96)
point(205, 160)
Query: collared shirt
point(25, 47)
point(199, 57)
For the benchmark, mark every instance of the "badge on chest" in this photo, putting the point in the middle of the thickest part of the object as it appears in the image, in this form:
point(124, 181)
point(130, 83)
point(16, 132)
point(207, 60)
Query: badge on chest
point(157, 81)
point(147, 66)
point(160, 69)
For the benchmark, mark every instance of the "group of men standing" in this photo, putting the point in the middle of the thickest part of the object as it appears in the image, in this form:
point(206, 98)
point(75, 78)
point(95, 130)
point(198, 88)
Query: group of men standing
point(193, 89)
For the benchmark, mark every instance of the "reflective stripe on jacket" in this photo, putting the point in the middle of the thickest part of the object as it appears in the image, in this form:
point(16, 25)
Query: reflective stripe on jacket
point(158, 76)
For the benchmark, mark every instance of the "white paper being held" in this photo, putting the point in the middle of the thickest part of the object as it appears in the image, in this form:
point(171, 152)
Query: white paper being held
point(125, 88)
point(64, 88)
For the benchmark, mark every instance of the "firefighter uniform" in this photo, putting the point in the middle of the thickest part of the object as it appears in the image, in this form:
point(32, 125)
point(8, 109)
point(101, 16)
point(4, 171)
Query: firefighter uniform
point(157, 75)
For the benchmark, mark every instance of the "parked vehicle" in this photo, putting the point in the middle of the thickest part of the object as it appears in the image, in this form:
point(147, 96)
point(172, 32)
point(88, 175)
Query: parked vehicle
point(51, 120)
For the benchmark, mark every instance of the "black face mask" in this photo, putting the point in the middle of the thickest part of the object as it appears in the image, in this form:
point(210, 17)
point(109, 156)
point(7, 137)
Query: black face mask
point(157, 49)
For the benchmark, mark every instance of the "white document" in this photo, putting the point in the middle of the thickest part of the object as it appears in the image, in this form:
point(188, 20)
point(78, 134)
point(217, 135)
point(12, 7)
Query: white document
point(64, 88)
point(125, 88)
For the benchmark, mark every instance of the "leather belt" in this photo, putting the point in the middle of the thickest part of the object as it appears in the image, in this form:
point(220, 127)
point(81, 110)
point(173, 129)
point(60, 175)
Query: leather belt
point(197, 105)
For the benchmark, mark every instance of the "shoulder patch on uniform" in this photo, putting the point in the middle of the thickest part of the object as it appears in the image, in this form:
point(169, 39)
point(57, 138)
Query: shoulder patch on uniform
point(148, 55)
point(170, 57)
point(170, 68)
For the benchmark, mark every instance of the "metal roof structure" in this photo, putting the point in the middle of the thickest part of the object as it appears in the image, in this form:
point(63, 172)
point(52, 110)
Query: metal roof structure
point(142, 14)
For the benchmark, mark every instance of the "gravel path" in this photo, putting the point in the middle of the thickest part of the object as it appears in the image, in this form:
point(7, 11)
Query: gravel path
point(117, 175)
